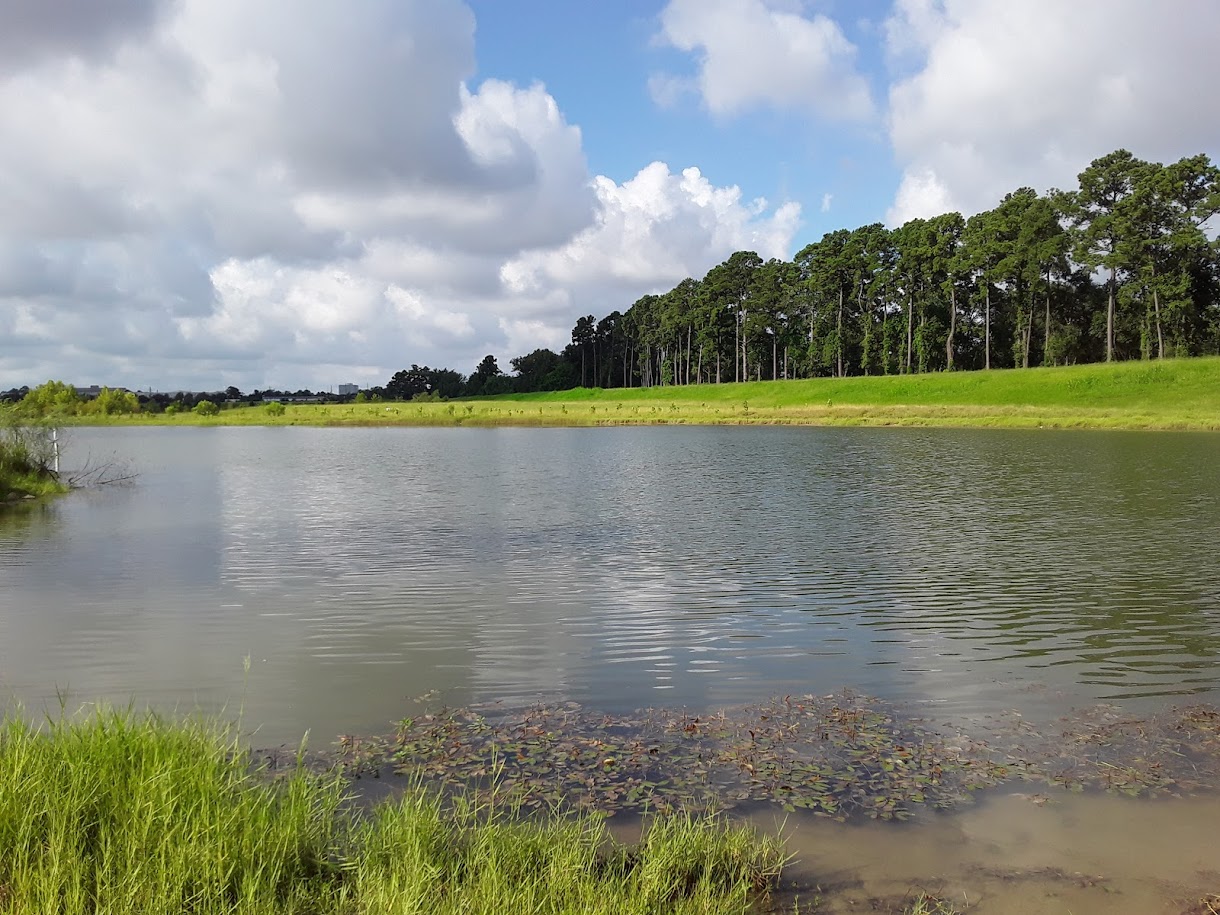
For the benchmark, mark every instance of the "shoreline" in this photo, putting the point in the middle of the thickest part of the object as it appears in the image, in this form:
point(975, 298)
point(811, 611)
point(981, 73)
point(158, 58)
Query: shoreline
point(504, 789)
point(1169, 395)
point(867, 418)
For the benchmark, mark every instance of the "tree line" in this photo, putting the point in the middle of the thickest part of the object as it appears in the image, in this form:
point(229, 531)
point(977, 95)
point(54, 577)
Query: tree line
point(1121, 267)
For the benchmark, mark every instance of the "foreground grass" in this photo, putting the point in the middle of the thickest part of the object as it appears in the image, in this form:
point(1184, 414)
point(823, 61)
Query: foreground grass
point(23, 465)
point(123, 813)
point(1168, 394)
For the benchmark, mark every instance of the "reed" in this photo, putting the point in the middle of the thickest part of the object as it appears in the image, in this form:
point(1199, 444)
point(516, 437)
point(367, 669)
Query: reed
point(134, 814)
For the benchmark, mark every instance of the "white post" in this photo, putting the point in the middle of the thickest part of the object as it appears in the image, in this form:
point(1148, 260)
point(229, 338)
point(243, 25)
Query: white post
point(55, 450)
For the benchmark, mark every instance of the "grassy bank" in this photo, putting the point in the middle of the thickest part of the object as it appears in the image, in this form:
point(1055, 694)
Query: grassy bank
point(123, 813)
point(25, 465)
point(1169, 394)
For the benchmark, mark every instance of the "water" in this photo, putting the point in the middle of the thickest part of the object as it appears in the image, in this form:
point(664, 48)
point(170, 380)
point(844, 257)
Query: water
point(1073, 855)
point(968, 571)
point(622, 568)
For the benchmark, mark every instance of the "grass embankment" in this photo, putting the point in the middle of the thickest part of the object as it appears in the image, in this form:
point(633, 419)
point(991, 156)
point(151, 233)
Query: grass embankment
point(24, 466)
point(124, 814)
point(1169, 394)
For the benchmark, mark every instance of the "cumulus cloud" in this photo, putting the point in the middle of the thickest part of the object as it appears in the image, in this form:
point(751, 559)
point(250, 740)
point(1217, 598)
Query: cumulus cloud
point(762, 53)
point(208, 192)
point(997, 94)
point(651, 233)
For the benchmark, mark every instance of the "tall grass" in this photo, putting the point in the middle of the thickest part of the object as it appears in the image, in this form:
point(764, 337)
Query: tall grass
point(25, 461)
point(130, 814)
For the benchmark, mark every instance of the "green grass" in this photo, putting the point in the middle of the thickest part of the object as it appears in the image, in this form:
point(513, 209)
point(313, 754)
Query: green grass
point(23, 465)
point(928, 904)
point(121, 813)
point(1169, 394)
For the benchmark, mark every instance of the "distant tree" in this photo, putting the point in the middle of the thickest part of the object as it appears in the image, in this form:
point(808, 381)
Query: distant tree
point(275, 408)
point(51, 397)
point(446, 383)
point(110, 402)
point(420, 379)
point(406, 383)
point(584, 338)
point(483, 373)
point(543, 370)
point(206, 408)
point(499, 384)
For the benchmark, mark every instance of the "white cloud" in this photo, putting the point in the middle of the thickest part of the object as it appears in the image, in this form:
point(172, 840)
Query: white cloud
point(762, 53)
point(1000, 94)
point(827, 200)
point(209, 192)
point(651, 233)
point(922, 194)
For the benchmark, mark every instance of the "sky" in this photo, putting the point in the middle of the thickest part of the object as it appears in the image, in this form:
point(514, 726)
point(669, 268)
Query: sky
point(303, 193)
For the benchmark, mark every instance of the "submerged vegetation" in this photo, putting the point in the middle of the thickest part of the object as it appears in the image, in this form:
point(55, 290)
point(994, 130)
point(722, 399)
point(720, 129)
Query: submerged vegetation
point(841, 756)
point(133, 815)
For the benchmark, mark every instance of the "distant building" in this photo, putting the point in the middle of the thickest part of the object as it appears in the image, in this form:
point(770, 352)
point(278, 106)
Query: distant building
point(347, 389)
point(93, 390)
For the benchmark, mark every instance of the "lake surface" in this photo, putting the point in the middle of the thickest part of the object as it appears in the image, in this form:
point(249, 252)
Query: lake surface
point(621, 568)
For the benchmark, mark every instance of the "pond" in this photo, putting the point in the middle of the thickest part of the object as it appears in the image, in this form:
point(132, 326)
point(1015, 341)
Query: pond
point(321, 580)
point(620, 568)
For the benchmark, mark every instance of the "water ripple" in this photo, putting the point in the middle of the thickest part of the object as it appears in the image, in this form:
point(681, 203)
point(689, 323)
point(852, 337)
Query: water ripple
point(716, 565)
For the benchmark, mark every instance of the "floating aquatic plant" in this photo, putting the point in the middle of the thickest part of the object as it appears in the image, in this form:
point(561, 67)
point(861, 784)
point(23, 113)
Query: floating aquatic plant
point(840, 756)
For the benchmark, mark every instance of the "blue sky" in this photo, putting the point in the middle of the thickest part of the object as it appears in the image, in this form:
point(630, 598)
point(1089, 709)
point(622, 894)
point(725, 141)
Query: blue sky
point(302, 193)
point(596, 59)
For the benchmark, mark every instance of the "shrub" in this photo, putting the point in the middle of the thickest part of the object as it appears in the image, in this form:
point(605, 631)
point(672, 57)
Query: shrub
point(206, 408)
point(275, 408)
point(26, 461)
point(51, 397)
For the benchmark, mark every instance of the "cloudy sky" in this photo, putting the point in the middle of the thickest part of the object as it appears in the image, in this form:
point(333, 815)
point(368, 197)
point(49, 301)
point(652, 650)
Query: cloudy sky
point(300, 193)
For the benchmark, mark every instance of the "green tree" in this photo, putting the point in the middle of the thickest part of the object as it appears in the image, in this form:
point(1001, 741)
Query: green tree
point(206, 408)
point(945, 242)
point(543, 370)
point(1104, 218)
point(110, 402)
point(487, 369)
point(830, 269)
point(51, 397)
point(420, 380)
point(584, 338)
point(1169, 208)
point(872, 254)
point(727, 285)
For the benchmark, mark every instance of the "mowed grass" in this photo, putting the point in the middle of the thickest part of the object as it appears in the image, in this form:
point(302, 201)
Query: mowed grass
point(1168, 394)
point(123, 813)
